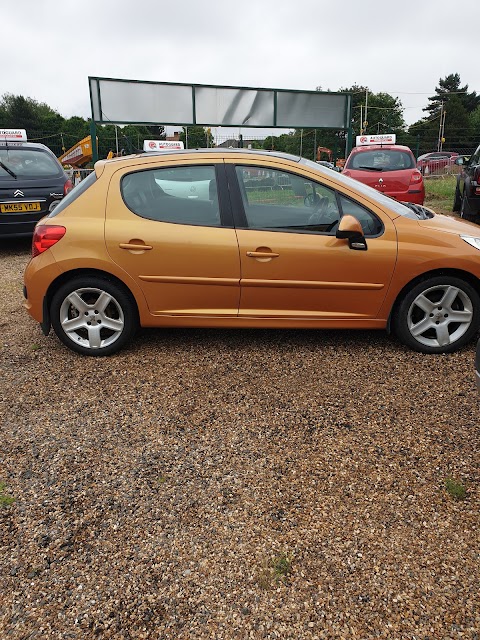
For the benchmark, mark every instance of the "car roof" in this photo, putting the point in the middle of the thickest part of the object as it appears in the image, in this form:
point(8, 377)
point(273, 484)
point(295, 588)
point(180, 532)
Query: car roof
point(381, 147)
point(14, 146)
point(211, 150)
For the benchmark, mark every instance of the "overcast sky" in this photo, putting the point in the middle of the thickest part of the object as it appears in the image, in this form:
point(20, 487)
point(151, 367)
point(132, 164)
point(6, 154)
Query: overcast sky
point(50, 47)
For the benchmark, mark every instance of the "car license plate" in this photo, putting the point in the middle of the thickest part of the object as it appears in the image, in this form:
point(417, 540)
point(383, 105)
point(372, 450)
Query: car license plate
point(20, 207)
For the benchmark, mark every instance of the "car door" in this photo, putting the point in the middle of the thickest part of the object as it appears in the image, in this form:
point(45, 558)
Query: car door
point(170, 228)
point(292, 264)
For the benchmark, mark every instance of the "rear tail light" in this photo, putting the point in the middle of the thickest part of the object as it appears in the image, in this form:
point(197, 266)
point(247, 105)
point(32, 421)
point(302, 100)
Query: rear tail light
point(416, 177)
point(67, 187)
point(45, 236)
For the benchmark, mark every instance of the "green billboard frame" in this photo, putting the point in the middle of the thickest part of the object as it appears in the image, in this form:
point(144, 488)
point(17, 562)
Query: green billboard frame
point(271, 101)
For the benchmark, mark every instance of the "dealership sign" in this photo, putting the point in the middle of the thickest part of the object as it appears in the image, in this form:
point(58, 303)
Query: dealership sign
point(158, 145)
point(386, 138)
point(15, 135)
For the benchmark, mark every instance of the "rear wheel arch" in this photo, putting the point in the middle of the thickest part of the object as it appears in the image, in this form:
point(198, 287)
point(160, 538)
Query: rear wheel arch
point(75, 273)
point(93, 314)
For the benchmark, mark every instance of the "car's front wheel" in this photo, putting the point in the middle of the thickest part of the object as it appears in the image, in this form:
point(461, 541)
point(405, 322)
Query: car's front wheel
point(438, 315)
point(93, 316)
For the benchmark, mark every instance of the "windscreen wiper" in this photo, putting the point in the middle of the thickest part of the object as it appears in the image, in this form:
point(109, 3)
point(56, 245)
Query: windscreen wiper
point(14, 175)
point(372, 168)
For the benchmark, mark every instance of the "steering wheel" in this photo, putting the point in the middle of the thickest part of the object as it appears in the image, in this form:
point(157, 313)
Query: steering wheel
point(313, 200)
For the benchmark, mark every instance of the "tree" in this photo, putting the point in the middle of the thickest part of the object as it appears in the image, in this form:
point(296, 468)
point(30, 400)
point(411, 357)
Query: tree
point(26, 113)
point(454, 102)
point(449, 88)
point(384, 112)
point(195, 137)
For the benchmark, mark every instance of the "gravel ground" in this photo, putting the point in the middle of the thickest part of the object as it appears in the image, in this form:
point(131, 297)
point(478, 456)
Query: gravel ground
point(234, 484)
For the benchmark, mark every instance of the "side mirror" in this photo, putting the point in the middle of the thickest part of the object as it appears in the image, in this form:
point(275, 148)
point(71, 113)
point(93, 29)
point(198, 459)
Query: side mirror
point(350, 229)
point(460, 160)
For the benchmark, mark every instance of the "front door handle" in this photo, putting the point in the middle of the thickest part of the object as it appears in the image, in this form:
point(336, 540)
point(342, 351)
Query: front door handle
point(262, 254)
point(130, 246)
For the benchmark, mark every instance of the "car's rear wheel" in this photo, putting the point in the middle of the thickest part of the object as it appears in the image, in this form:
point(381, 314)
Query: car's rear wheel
point(438, 315)
point(93, 316)
point(465, 210)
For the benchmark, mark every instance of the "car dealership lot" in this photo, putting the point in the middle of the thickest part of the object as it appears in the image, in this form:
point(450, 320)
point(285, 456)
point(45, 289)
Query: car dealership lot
point(156, 491)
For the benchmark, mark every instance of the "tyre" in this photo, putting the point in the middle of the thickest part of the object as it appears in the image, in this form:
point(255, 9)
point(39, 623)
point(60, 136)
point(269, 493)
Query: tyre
point(438, 315)
point(465, 210)
point(457, 200)
point(93, 316)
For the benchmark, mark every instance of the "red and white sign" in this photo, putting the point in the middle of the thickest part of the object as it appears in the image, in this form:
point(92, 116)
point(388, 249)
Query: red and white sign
point(13, 135)
point(158, 145)
point(384, 138)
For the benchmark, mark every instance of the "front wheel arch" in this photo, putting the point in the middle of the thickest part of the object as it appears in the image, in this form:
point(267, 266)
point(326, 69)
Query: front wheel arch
point(462, 276)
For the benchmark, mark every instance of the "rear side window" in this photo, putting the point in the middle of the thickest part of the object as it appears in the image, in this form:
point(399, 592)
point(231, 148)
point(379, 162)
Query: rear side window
point(28, 163)
point(182, 195)
point(75, 193)
point(381, 160)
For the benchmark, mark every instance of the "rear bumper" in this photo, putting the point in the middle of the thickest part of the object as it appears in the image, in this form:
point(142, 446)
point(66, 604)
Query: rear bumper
point(414, 196)
point(16, 226)
point(39, 273)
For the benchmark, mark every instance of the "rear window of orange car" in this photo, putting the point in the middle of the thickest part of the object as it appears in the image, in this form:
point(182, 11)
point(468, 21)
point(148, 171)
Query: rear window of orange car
point(381, 160)
point(75, 193)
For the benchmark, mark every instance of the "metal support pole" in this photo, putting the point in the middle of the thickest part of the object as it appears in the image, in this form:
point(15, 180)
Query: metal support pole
point(93, 135)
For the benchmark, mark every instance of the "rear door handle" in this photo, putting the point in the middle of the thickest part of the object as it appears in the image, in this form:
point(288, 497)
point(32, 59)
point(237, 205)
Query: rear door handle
point(135, 247)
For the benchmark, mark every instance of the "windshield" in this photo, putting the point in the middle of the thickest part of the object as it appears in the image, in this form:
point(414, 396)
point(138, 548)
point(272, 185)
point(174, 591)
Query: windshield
point(27, 163)
point(370, 192)
point(381, 160)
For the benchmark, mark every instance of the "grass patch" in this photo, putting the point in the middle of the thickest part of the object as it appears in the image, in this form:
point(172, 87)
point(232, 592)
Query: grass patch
point(455, 489)
point(5, 501)
point(439, 193)
point(274, 570)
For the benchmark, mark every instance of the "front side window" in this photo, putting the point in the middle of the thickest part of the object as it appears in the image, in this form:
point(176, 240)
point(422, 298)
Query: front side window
point(27, 163)
point(371, 225)
point(182, 195)
point(275, 199)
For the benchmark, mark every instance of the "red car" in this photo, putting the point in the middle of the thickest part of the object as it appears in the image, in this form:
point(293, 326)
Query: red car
point(436, 161)
point(388, 168)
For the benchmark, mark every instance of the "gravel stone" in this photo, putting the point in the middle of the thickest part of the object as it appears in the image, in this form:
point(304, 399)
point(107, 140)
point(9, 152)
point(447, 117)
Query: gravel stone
point(234, 485)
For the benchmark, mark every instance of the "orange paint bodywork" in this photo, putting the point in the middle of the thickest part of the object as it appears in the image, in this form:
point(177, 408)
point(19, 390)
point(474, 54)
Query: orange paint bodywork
point(191, 275)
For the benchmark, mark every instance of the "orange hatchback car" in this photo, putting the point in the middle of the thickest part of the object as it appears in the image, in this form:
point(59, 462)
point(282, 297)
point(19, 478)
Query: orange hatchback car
point(234, 238)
